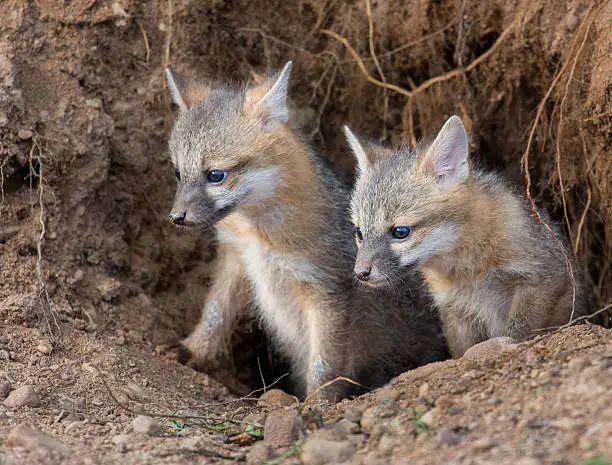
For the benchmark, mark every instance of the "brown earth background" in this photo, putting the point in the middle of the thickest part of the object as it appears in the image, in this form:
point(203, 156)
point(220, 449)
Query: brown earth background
point(96, 286)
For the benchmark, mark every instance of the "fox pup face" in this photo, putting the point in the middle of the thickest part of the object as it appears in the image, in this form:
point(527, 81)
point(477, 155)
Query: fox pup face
point(404, 205)
point(218, 146)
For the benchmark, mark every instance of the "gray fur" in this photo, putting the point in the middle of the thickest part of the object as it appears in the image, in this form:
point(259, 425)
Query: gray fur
point(358, 332)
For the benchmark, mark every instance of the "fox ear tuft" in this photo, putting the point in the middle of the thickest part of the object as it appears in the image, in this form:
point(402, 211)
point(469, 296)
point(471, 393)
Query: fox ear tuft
point(366, 153)
point(268, 101)
point(185, 92)
point(360, 154)
point(447, 157)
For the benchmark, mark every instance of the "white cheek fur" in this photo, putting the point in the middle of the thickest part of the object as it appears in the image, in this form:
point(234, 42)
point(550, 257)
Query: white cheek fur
point(257, 184)
point(441, 239)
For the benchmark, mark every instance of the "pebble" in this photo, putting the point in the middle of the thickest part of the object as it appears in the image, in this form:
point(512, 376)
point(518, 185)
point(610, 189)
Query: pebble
point(191, 444)
point(260, 452)
point(387, 394)
point(31, 438)
point(25, 134)
point(5, 389)
point(22, 396)
point(489, 349)
point(318, 451)
point(281, 429)
point(482, 445)
point(121, 439)
point(448, 437)
point(276, 398)
point(44, 348)
point(577, 364)
point(345, 428)
point(146, 425)
point(353, 414)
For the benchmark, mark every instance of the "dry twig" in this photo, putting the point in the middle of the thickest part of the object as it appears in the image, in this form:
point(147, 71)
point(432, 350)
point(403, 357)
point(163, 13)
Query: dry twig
point(525, 166)
point(46, 303)
point(378, 67)
point(429, 82)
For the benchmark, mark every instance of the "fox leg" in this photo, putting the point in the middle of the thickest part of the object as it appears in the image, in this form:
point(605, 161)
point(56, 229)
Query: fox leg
point(208, 345)
point(327, 358)
point(461, 331)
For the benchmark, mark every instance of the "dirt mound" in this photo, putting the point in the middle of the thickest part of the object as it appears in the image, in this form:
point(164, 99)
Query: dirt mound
point(87, 182)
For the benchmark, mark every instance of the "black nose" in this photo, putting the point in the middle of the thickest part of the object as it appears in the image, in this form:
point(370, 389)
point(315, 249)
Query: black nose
point(177, 217)
point(363, 272)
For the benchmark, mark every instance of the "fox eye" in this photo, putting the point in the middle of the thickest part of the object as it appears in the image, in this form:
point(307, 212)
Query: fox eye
point(177, 174)
point(401, 232)
point(216, 176)
point(358, 234)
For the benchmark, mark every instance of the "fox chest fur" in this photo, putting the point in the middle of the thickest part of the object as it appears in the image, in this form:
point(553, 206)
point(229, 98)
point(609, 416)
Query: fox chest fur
point(486, 300)
point(284, 286)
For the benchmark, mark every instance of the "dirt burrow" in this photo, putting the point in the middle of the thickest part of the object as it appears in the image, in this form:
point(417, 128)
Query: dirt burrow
point(84, 120)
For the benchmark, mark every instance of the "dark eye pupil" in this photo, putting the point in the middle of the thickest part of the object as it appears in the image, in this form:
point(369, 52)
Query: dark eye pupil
point(401, 232)
point(358, 234)
point(177, 173)
point(216, 176)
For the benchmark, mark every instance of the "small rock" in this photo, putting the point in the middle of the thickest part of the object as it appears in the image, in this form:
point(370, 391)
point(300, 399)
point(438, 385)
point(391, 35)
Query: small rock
point(448, 437)
point(276, 398)
point(482, 445)
point(571, 20)
point(345, 428)
point(121, 439)
point(259, 453)
point(31, 438)
point(22, 396)
point(567, 424)
point(489, 349)
point(387, 394)
point(72, 425)
point(108, 288)
point(429, 417)
point(44, 348)
point(25, 134)
point(5, 389)
point(281, 429)
point(191, 444)
point(238, 455)
point(577, 364)
point(318, 451)
point(79, 275)
point(443, 403)
point(353, 414)
point(146, 425)
point(242, 439)
point(424, 390)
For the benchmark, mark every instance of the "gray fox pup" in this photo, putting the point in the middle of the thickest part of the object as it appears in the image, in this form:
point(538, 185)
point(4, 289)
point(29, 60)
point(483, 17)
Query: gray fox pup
point(281, 220)
point(491, 267)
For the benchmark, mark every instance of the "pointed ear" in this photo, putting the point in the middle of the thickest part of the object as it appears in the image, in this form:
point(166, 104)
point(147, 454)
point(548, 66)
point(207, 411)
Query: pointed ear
point(360, 154)
point(268, 101)
point(367, 153)
point(185, 92)
point(447, 157)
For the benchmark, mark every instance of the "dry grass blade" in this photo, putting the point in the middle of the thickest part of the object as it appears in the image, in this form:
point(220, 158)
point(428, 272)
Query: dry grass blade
point(329, 383)
point(577, 320)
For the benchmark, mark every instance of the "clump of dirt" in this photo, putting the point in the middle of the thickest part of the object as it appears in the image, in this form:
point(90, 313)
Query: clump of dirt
point(87, 184)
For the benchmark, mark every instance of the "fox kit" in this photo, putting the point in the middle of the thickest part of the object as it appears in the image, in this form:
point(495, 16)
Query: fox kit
point(491, 267)
point(281, 220)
